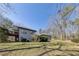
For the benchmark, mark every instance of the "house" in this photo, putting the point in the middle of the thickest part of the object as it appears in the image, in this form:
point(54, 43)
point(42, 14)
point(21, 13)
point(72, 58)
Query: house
point(20, 34)
point(25, 34)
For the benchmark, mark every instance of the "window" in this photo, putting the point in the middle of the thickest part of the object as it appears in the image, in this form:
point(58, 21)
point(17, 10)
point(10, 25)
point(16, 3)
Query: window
point(25, 32)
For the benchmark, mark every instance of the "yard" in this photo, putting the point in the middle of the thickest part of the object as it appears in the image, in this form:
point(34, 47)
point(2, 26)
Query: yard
point(54, 48)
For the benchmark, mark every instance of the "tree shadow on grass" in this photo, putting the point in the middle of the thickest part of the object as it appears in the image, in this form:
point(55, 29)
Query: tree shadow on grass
point(59, 49)
point(11, 46)
point(19, 49)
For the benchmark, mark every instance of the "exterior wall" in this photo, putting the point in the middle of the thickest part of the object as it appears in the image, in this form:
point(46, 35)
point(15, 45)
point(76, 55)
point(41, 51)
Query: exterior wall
point(26, 34)
point(19, 34)
point(11, 38)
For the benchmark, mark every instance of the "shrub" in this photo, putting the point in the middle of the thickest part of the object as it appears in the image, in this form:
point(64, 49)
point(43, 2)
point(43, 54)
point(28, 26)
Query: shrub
point(24, 40)
point(75, 40)
point(43, 38)
point(3, 35)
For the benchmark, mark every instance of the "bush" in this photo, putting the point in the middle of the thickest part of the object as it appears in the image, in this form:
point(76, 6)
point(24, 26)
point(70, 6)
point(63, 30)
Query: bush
point(25, 40)
point(75, 40)
point(43, 38)
point(3, 35)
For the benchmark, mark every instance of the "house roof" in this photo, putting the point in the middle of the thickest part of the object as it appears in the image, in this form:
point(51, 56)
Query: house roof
point(21, 28)
point(26, 28)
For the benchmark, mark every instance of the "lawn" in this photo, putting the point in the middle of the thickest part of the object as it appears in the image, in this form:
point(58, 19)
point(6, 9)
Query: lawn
point(54, 48)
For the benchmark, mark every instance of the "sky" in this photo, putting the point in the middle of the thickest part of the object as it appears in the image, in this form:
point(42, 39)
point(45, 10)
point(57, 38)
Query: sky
point(34, 15)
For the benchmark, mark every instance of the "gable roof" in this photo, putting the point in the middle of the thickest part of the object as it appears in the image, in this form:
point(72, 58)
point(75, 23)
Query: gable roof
point(26, 28)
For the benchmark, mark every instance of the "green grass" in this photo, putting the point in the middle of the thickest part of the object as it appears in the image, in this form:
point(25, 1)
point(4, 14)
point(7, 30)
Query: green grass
point(38, 48)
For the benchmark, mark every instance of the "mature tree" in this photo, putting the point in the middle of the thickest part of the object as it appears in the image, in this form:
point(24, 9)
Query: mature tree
point(76, 23)
point(5, 23)
point(61, 22)
point(6, 8)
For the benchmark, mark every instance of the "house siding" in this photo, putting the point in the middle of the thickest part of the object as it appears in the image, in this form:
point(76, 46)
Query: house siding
point(26, 34)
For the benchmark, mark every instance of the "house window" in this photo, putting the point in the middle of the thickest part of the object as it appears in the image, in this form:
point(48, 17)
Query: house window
point(25, 32)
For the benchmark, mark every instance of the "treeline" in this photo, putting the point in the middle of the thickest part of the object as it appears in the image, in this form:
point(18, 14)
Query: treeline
point(65, 26)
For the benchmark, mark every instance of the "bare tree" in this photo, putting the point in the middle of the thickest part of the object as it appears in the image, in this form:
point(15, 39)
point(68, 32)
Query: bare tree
point(5, 23)
point(60, 23)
